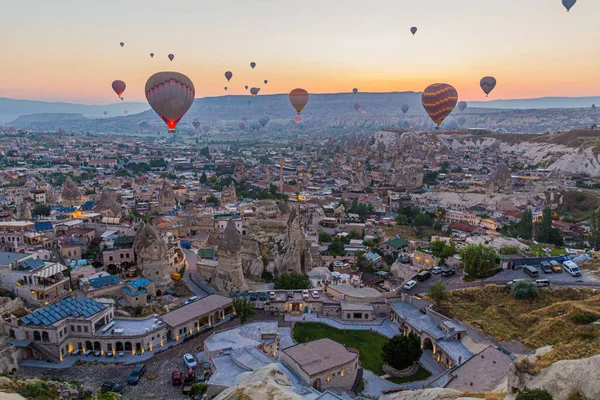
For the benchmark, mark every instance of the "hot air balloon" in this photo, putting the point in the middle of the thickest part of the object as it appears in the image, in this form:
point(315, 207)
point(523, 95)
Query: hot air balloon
point(298, 98)
point(249, 102)
point(568, 4)
point(461, 119)
point(263, 120)
point(439, 100)
point(297, 118)
point(255, 126)
point(356, 106)
point(462, 106)
point(451, 124)
point(125, 112)
point(122, 44)
point(253, 64)
point(225, 87)
point(355, 90)
point(593, 106)
point(395, 120)
point(246, 87)
point(171, 57)
point(254, 91)
point(266, 81)
point(206, 128)
point(404, 108)
point(151, 55)
point(242, 126)
point(119, 87)
point(487, 84)
point(170, 94)
point(413, 30)
point(196, 124)
point(105, 112)
point(228, 75)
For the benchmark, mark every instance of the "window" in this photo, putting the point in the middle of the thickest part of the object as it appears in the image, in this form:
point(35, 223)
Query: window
point(329, 378)
point(127, 255)
point(72, 328)
point(110, 258)
point(122, 255)
point(343, 372)
point(78, 328)
point(85, 329)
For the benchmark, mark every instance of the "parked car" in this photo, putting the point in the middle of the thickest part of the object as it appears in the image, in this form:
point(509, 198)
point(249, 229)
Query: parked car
point(191, 300)
point(531, 271)
point(437, 270)
point(555, 267)
point(253, 296)
point(176, 377)
point(112, 387)
point(305, 294)
point(410, 284)
point(545, 267)
point(423, 276)
point(315, 294)
point(571, 268)
point(271, 295)
point(510, 283)
point(448, 272)
point(262, 296)
point(542, 282)
point(190, 361)
point(138, 371)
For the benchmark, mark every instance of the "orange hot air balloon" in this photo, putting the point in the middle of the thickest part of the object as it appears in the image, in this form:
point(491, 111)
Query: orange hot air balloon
point(119, 87)
point(170, 94)
point(298, 98)
point(439, 100)
point(254, 91)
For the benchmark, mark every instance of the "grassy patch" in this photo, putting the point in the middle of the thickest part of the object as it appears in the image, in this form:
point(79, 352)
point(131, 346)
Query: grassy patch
point(489, 275)
point(367, 343)
point(421, 375)
point(548, 320)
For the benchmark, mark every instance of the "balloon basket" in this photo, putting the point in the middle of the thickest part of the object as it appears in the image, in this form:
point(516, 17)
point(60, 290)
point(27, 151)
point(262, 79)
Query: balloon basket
point(172, 131)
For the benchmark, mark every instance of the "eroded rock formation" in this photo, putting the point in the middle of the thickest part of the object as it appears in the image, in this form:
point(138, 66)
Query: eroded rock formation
point(108, 205)
point(151, 252)
point(70, 193)
point(229, 274)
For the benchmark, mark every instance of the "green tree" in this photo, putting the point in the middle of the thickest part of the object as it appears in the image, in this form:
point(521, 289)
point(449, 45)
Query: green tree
point(438, 292)
point(533, 394)
point(291, 281)
point(479, 261)
point(244, 309)
point(41, 209)
point(203, 178)
point(401, 219)
point(324, 237)
point(440, 249)
point(212, 199)
point(594, 236)
point(508, 250)
point(401, 351)
point(205, 152)
point(423, 220)
point(526, 224)
point(543, 228)
point(524, 290)
point(336, 247)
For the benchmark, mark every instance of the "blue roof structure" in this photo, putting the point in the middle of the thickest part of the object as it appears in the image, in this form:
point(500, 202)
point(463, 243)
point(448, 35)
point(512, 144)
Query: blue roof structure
point(31, 264)
point(7, 257)
point(142, 282)
point(70, 307)
point(88, 206)
point(137, 287)
point(65, 209)
point(102, 281)
point(372, 256)
point(43, 226)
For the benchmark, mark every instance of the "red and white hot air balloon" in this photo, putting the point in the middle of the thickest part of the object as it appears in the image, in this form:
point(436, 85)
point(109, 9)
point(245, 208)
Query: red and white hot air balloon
point(170, 94)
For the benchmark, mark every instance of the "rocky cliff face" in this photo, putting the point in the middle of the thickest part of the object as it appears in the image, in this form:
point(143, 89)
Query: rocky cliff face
point(252, 263)
point(291, 252)
point(70, 193)
point(500, 181)
point(24, 211)
point(151, 252)
point(229, 273)
point(267, 383)
point(108, 205)
point(166, 196)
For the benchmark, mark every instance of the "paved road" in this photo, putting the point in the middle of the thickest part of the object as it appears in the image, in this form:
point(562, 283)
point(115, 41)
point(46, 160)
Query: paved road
point(191, 277)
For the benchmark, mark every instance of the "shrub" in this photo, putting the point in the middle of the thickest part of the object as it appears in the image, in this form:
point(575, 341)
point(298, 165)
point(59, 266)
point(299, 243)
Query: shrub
point(525, 290)
point(533, 394)
point(576, 395)
point(401, 351)
point(437, 291)
point(244, 309)
point(198, 389)
point(36, 391)
point(583, 317)
point(292, 281)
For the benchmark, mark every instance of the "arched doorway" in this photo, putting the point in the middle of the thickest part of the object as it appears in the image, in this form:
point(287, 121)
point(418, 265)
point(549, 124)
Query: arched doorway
point(119, 346)
point(427, 344)
point(158, 293)
point(36, 335)
point(97, 346)
point(317, 384)
point(88, 345)
point(45, 337)
point(127, 346)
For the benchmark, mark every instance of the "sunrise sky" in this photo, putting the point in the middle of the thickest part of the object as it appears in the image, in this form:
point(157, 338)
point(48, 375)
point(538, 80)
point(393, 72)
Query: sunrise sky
point(67, 50)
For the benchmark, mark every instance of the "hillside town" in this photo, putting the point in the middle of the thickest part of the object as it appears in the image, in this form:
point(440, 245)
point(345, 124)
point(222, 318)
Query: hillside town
point(161, 268)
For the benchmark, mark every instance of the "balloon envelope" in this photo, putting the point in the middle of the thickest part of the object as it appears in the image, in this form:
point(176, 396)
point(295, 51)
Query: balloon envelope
point(246, 87)
point(355, 90)
point(255, 126)
point(298, 98)
point(488, 84)
point(170, 94)
point(266, 81)
point(196, 123)
point(451, 123)
point(125, 112)
point(356, 106)
point(439, 100)
point(404, 108)
point(253, 64)
point(413, 30)
point(228, 75)
point(122, 44)
point(462, 105)
point(568, 4)
point(171, 57)
point(461, 119)
point(119, 87)
point(242, 126)
point(105, 112)
point(206, 128)
point(225, 87)
point(254, 91)
point(263, 120)
point(151, 55)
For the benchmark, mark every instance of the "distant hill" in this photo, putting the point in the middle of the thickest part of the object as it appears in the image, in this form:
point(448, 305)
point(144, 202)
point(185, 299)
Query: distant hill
point(11, 109)
point(542, 102)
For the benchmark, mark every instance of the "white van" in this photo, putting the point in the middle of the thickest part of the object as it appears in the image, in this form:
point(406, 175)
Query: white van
point(571, 268)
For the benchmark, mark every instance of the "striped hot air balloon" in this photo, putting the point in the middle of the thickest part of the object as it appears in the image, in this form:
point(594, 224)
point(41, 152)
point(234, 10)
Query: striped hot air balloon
point(439, 100)
point(170, 94)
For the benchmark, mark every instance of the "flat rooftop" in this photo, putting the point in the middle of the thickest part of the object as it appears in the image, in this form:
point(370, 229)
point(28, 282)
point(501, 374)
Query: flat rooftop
point(130, 327)
point(349, 290)
point(7, 257)
point(248, 335)
point(320, 355)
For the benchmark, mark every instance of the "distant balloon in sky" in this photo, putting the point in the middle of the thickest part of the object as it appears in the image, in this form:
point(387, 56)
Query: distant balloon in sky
point(151, 55)
point(119, 87)
point(196, 124)
point(266, 81)
point(206, 128)
point(568, 4)
point(356, 106)
point(298, 98)
point(253, 64)
point(246, 87)
point(255, 126)
point(242, 126)
point(439, 100)
point(254, 91)
point(488, 84)
point(413, 30)
point(225, 87)
point(462, 105)
point(228, 75)
point(451, 124)
point(125, 112)
point(355, 90)
point(593, 106)
point(171, 57)
point(122, 44)
point(404, 108)
point(461, 119)
point(170, 94)
point(263, 120)
point(105, 112)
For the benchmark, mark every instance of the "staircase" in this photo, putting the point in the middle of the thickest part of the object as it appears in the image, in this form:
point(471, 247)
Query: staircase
point(357, 381)
point(43, 352)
